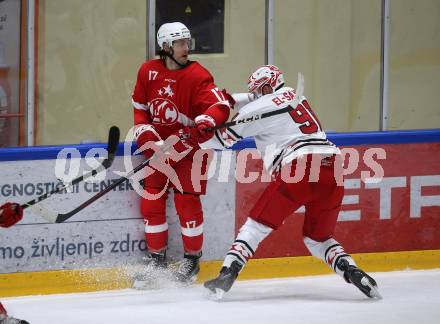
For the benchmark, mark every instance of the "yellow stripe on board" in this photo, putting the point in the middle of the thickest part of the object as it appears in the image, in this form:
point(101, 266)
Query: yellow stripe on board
point(62, 281)
point(70, 281)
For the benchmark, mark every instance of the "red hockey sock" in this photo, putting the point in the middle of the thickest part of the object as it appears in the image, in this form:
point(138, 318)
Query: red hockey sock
point(156, 226)
point(189, 209)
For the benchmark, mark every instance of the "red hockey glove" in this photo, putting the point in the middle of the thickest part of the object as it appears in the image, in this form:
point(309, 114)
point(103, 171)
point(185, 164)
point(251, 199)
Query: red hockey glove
point(229, 98)
point(188, 138)
point(146, 135)
point(10, 214)
point(203, 124)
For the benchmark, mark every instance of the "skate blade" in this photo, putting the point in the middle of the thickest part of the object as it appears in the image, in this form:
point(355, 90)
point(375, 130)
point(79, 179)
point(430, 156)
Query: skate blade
point(374, 291)
point(217, 295)
point(185, 283)
point(190, 281)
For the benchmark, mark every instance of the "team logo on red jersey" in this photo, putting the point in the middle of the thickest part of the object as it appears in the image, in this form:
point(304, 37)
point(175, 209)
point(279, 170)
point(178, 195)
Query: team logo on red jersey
point(163, 111)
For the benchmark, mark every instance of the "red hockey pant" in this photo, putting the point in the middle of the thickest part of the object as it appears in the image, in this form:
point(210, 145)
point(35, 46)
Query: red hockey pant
point(322, 200)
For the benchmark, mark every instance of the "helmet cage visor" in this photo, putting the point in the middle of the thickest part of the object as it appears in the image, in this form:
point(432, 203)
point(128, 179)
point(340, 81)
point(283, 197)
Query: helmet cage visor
point(182, 42)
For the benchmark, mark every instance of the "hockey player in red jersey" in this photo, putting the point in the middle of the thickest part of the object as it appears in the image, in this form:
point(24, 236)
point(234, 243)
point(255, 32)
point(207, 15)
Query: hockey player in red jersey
point(10, 214)
point(291, 142)
point(171, 94)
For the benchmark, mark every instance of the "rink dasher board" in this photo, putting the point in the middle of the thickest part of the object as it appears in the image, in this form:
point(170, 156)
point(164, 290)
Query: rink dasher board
point(285, 260)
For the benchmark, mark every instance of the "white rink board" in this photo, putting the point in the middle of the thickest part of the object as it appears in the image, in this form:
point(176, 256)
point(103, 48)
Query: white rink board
point(110, 231)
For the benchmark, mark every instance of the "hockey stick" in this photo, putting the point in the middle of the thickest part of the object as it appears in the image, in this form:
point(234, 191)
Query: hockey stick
point(113, 140)
point(60, 218)
point(292, 106)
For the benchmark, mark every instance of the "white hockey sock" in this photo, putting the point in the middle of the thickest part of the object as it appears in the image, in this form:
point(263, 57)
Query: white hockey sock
point(329, 251)
point(250, 236)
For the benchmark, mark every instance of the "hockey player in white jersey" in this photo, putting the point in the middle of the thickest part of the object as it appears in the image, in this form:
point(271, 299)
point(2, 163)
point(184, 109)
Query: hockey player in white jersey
point(289, 142)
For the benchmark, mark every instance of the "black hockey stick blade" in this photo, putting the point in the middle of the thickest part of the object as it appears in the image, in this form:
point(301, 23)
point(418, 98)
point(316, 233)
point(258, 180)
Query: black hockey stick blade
point(113, 141)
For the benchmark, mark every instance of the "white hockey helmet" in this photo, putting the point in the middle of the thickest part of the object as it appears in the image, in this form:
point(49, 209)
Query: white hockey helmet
point(267, 74)
point(170, 32)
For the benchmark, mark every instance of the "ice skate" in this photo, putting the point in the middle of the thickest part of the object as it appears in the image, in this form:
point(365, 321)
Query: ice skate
point(224, 281)
point(155, 271)
point(12, 320)
point(360, 279)
point(188, 269)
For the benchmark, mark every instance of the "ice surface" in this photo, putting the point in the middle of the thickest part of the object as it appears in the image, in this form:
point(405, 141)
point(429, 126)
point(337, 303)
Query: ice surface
point(409, 297)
